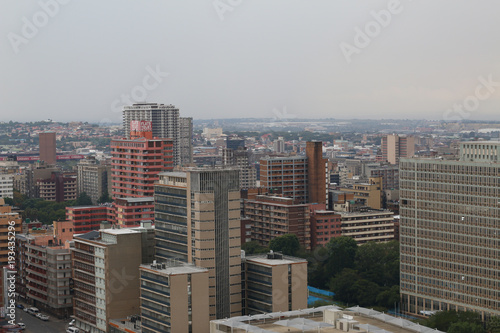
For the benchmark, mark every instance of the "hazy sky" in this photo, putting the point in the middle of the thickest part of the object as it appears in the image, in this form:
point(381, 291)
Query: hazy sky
point(80, 60)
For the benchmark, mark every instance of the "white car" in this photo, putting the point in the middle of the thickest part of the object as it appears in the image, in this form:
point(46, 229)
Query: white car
point(22, 325)
point(72, 322)
point(72, 330)
point(42, 317)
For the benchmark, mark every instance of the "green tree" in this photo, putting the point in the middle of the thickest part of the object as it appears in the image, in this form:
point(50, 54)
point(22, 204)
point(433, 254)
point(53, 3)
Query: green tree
point(388, 297)
point(83, 200)
point(342, 252)
point(287, 244)
point(379, 262)
point(104, 198)
point(367, 292)
point(345, 286)
point(493, 325)
point(465, 327)
point(443, 320)
point(253, 247)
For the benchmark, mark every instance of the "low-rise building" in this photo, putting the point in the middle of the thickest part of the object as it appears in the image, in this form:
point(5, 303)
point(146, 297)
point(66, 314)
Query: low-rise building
point(369, 225)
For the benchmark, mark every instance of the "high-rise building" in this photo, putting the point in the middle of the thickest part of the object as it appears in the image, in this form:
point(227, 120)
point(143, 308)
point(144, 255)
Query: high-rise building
point(174, 298)
point(47, 144)
point(273, 216)
point(106, 277)
point(239, 158)
point(58, 187)
point(186, 137)
point(94, 178)
point(164, 120)
point(197, 218)
point(27, 183)
point(396, 146)
point(279, 145)
point(317, 175)
point(7, 219)
point(135, 165)
point(274, 282)
point(450, 233)
point(44, 268)
point(303, 178)
point(6, 185)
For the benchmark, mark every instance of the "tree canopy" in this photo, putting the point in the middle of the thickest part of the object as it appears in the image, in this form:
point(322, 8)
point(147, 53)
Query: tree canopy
point(287, 244)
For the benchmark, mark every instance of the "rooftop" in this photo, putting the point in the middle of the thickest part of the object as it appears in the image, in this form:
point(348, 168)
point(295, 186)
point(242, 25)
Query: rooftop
point(323, 319)
point(274, 259)
point(173, 268)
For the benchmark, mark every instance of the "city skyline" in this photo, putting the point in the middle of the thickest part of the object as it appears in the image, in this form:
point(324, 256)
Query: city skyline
point(386, 59)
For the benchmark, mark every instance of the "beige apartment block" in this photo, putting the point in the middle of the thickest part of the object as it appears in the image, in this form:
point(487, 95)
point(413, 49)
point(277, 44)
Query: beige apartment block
point(174, 298)
point(106, 277)
point(274, 282)
point(450, 250)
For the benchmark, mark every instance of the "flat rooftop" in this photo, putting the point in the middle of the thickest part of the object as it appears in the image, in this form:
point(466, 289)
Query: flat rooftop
point(319, 319)
point(173, 269)
point(285, 260)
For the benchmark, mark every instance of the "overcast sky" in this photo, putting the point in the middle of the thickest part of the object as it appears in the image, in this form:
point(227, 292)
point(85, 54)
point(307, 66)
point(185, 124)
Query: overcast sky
point(82, 60)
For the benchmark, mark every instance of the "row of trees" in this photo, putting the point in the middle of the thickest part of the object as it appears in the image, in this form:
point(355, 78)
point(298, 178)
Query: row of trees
point(49, 211)
point(365, 275)
point(461, 322)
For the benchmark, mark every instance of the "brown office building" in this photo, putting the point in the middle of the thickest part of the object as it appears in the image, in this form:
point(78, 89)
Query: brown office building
point(303, 178)
point(106, 277)
point(273, 216)
point(449, 231)
point(395, 147)
point(197, 219)
point(47, 144)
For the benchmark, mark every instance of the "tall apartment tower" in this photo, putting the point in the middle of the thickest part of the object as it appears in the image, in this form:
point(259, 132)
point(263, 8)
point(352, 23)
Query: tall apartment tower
point(395, 146)
point(93, 178)
point(303, 178)
point(7, 219)
point(164, 119)
point(106, 277)
point(279, 145)
point(450, 233)
point(47, 144)
point(136, 165)
point(197, 216)
point(186, 137)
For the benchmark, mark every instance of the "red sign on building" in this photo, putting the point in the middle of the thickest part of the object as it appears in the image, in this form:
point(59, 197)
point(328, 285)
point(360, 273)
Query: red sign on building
point(141, 129)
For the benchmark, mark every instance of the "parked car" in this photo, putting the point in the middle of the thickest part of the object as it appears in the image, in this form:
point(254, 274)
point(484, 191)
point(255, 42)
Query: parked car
point(42, 317)
point(33, 311)
point(72, 330)
point(20, 306)
point(22, 325)
point(25, 309)
point(72, 322)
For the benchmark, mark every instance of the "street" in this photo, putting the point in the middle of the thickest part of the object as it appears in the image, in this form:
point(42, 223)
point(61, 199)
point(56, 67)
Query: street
point(35, 325)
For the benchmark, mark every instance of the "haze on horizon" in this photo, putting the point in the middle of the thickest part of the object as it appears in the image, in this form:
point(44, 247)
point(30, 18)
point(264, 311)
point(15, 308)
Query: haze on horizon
point(76, 60)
